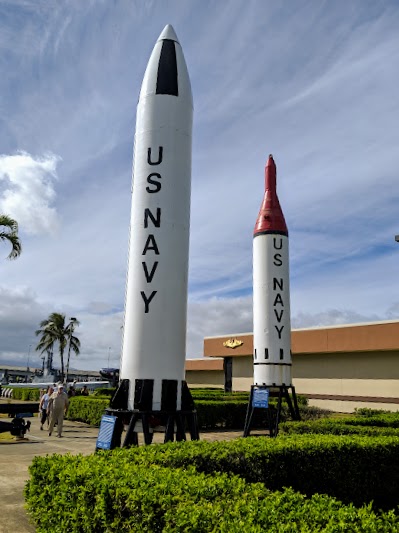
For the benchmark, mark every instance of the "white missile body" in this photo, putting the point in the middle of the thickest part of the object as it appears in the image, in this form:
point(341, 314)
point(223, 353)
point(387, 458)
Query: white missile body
point(154, 336)
point(271, 291)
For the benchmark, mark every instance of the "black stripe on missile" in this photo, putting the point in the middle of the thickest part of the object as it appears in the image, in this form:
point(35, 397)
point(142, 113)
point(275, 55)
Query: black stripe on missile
point(271, 232)
point(167, 70)
point(169, 395)
point(143, 392)
point(275, 364)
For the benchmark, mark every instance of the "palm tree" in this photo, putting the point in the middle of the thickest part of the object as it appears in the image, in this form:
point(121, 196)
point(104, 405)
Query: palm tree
point(53, 330)
point(10, 234)
point(73, 342)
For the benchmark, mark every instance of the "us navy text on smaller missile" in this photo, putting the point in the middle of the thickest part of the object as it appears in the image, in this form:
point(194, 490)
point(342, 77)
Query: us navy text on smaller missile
point(154, 180)
point(278, 285)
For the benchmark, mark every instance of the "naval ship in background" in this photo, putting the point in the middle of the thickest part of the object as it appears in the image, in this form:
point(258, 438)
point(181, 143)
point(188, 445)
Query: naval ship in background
point(24, 377)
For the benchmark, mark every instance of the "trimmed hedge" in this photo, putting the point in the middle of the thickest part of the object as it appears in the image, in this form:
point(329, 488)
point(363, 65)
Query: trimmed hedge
point(366, 411)
point(21, 393)
point(208, 395)
point(354, 469)
point(385, 420)
point(87, 409)
point(335, 427)
point(218, 395)
point(106, 493)
point(193, 486)
point(211, 414)
point(104, 391)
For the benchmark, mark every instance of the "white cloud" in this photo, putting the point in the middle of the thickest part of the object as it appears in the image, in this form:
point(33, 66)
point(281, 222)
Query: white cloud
point(217, 316)
point(27, 191)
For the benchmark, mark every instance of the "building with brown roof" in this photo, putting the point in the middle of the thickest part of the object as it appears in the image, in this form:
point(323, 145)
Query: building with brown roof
point(336, 367)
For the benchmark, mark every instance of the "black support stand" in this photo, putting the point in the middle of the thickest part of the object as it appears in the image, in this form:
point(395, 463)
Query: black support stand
point(272, 414)
point(142, 419)
point(172, 424)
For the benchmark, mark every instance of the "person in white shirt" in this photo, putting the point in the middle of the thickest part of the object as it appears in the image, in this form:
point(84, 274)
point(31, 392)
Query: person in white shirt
point(43, 405)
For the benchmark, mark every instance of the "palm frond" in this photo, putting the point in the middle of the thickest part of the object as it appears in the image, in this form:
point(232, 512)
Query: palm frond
point(9, 223)
point(11, 235)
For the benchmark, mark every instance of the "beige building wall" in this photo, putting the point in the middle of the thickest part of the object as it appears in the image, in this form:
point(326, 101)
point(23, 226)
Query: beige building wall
point(205, 372)
point(243, 373)
point(365, 374)
point(368, 375)
point(349, 406)
point(205, 378)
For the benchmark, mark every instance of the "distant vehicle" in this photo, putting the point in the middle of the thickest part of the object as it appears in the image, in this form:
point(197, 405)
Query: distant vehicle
point(112, 374)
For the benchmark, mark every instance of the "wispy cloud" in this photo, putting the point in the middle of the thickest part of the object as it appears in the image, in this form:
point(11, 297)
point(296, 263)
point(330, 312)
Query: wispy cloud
point(27, 191)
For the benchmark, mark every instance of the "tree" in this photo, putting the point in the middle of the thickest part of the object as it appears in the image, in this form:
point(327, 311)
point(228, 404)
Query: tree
point(10, 234)
point(73, 342)
point(53, 330)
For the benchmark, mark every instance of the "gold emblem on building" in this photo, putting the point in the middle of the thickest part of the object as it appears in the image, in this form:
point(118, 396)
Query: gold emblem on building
point(233, 343)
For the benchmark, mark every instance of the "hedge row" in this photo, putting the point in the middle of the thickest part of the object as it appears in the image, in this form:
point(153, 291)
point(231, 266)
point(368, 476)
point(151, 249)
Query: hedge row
point(366, 411)
point(104, 391)
point(106, 493)
point(87, 409)
point(384, 420)
point(336, 427)
point(211, 414)
point(19, 393)
point(355, 469)
point(208, 395)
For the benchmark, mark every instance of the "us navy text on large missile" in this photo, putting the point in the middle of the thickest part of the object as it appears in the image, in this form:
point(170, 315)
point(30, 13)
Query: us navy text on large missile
point(153, 187)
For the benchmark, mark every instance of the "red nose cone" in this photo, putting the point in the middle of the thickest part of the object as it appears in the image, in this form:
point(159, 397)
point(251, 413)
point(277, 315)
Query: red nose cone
point(270, 218)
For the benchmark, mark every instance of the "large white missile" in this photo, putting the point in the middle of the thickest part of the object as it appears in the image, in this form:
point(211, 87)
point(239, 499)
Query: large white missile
point(154, 336)
point(271, 290)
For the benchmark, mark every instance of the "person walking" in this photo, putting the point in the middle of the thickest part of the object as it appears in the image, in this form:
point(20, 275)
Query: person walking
point(43, 406)
point(58, 406)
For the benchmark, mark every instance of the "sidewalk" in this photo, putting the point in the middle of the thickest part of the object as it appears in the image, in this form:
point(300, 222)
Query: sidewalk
point(16, 456)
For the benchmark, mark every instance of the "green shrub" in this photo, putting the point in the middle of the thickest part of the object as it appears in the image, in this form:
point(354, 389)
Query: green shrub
point(383, 420)
point(215, 414)
point(104, 391)
point(87, 409)
point(26, 394)
point(107, 492)
point(335, 427)
point(365, 411)
point(219, 394)
point(354, 468)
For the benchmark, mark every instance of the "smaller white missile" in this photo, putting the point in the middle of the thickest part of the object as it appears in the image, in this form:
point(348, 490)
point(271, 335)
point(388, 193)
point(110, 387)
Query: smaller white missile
point(271, 290)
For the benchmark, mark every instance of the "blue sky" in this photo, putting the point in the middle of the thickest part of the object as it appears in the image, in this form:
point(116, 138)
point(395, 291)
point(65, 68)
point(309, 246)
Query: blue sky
point(314, 83)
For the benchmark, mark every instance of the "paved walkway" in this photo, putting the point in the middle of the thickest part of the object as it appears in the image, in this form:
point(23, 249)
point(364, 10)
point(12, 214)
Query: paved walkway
point(15, 458)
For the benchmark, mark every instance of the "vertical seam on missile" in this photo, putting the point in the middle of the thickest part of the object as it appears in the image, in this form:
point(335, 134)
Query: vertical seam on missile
point(266, 353)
